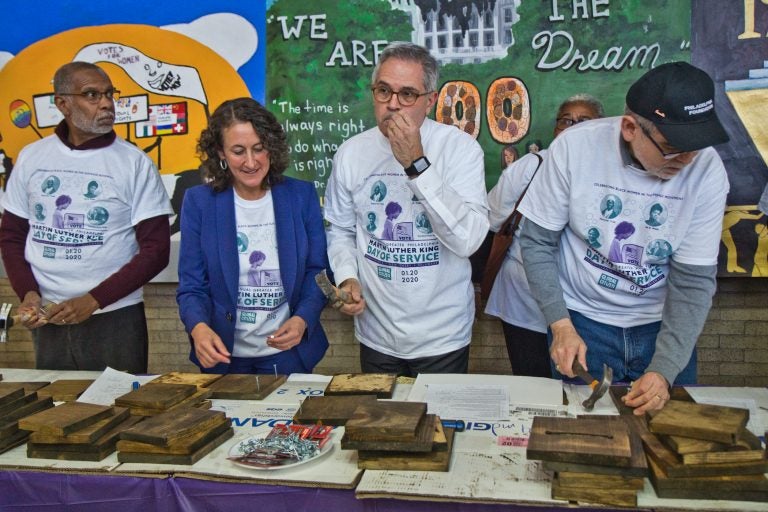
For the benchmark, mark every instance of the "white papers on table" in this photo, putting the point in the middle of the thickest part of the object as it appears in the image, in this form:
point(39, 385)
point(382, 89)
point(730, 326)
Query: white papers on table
point(521, 390)
point(459, 401)
point(110, 385)
point(309, 377)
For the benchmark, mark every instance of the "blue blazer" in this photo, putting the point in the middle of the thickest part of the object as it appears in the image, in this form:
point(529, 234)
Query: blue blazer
point(209, 265)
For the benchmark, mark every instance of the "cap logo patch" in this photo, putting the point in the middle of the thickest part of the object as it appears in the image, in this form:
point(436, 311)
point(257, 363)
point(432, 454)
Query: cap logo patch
point(659, 113)
point(700, 108)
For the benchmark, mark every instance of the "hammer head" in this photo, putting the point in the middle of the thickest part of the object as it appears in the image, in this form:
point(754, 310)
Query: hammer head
point(599, 389)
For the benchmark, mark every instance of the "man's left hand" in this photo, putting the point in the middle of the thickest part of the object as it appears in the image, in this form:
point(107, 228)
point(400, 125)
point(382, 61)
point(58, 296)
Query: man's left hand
point(289, 334)
point(649, 392)
point(73, 311)
point(404, 139)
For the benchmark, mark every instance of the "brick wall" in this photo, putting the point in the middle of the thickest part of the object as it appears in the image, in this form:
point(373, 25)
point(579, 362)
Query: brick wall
point(733, 349)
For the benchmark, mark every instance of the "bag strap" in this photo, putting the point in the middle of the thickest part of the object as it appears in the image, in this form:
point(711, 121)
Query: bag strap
point(510, 225)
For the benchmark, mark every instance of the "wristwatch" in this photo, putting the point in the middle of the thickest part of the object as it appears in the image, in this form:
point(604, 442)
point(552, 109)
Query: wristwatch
point(418, 166)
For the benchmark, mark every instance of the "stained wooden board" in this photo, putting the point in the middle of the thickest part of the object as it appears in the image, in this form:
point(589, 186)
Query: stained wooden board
point(592, 480)
point(66, 418)
point(234, 386)
point(86, 435)
point(194, 400)
point(422, 442)
point(170, 427)
point(405, 461)
point(14, 440)
point(156, 396)
point(18, 402)
point(8, 428)
point(95, 451)
point(64, 390)
point(201, 380)
point(618, 392)
point(186, 446)
point(726, 487)
point(154, 458)
point(380, 384)
point(330, 410)
point(603, 495)
point(583, 441)
point(669, 462)
point(27, 409)
point(701, 421)
point(386, 420)
point(28, 386)
point(9, 395)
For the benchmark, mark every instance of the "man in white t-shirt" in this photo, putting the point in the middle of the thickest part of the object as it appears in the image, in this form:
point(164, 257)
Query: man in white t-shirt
point(406, 204)
point(85, 227)
point(638, 301)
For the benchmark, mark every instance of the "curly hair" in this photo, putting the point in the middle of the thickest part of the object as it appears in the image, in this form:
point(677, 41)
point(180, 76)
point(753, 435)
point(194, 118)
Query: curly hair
point(266, 126)
point(63, 200)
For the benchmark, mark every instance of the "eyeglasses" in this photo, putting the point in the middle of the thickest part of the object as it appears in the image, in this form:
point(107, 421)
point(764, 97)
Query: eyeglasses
point(567, 122)
point(406, 96)
point(94, 96)
point(667, 156)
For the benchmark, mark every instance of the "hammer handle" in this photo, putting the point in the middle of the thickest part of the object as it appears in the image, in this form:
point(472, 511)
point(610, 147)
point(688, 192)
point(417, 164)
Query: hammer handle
point(583, 374)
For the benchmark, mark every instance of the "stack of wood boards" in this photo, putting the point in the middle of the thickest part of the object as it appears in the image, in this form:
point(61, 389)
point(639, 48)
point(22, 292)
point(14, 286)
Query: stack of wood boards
point(17, 400)
point(155, 398)
point(76, 431)
point(331, 410)
point(201, 380)
point(181, 436)
point(65, 390)
point(594, 459)
point(398, 436)
point(245, 387)
point(701, 451)
point(380, 384)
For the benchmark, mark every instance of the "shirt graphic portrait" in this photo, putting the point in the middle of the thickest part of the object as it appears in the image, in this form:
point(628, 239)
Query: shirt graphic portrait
point(610, 206)
point(51, 185)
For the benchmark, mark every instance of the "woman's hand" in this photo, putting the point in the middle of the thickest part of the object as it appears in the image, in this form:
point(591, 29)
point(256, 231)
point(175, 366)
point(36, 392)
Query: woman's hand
point(289, 334)
point(209, 348)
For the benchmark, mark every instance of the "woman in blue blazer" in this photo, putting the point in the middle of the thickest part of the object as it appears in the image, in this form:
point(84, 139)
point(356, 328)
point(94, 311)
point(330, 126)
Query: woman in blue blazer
point(252, 242)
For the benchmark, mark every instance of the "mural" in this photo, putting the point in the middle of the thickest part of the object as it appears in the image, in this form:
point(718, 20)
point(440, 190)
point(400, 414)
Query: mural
point(505, 67)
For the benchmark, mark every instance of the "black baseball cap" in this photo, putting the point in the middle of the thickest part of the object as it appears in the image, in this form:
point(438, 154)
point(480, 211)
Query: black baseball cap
point(680, 101)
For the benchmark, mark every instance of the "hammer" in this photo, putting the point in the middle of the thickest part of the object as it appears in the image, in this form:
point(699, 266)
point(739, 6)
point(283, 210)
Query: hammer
point(598, 388)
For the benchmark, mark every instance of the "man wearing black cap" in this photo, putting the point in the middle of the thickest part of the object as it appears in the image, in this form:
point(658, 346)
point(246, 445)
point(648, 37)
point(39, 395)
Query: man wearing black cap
point(642, 313)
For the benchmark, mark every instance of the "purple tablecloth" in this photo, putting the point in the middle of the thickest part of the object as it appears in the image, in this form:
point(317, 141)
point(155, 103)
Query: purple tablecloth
point(28, 491)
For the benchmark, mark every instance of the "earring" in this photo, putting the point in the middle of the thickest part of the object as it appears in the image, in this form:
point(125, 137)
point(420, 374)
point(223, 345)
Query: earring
point(223, 164)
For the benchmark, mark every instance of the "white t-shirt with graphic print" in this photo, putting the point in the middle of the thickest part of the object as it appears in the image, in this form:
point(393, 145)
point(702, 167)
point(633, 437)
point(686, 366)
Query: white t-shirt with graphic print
point(622, 225)
point(82, 206)
point(261, 303)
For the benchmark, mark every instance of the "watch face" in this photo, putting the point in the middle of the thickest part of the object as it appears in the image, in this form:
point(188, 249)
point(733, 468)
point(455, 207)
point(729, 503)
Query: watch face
point(421, 164)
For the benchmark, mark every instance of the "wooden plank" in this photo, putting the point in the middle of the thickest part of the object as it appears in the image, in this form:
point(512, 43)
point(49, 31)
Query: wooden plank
point(14, 440)
point(201, 380)
point(64, 390)
point(592, 480)
point(8, 428)
point(10, 394)
point(154, 458)
point(685, 445)
point(88, 452)
point(25, 410)
point(246, 387)
point(330, 410)
point(673, 467)
point(386, 420)
point(169, 427)
point(701, 421)
point(191, 401)
point(583, 441)
point(29, 387)
point(380, 384)
point(409, 461)
point(156, 396)
point(66, 418)
point(421, 442)
point(722, 457)
point(186, 446)
point(86, 435)
point(601, 495)
point(18, 402)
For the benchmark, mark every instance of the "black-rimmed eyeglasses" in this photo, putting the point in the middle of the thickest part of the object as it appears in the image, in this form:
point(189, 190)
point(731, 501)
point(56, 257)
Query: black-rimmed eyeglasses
point(667, 156)
point(94, 96)
point(567, 122)
point(406, 96)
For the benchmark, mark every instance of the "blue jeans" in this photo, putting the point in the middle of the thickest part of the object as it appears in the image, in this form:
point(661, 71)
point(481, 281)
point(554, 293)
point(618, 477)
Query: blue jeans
point(627, 351)
point(283, 363)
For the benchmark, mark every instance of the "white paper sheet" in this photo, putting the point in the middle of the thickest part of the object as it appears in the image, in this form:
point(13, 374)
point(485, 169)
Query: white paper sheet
point(459, 401)
point(110, 385)
point(522, 390)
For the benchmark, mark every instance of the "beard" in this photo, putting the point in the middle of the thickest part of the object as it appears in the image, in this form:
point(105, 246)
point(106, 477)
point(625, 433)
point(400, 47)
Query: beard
point(99, 125)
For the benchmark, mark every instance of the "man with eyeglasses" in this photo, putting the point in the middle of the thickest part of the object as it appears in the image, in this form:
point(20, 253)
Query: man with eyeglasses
point(80, 282)
point(640, 315)
point(412, 297)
